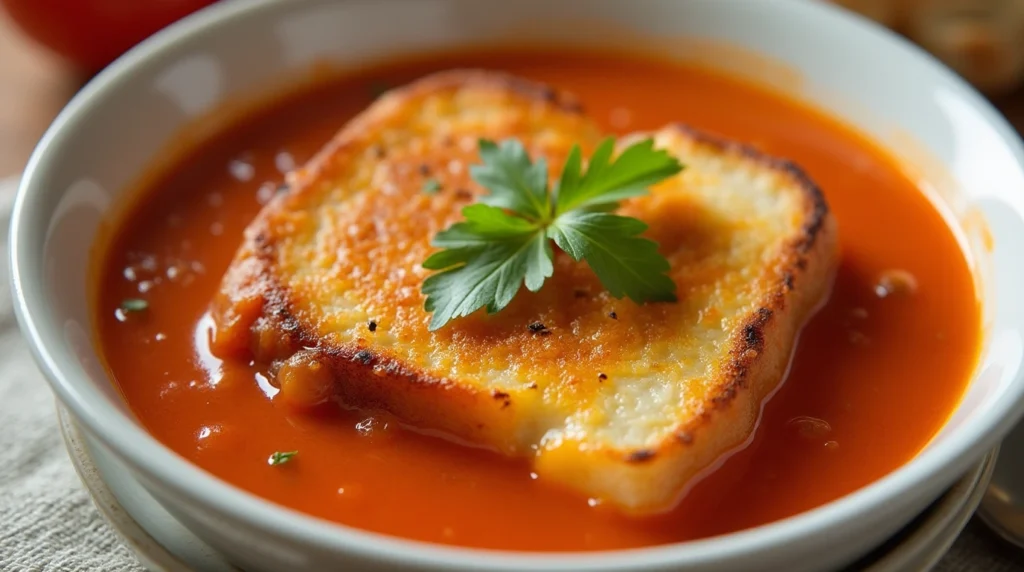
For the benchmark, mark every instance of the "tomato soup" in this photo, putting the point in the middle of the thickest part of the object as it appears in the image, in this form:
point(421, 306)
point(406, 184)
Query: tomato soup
point(875, 375)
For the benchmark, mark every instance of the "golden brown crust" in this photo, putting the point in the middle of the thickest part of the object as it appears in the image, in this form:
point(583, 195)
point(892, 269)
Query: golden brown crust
point(800, 282)
point(815, 245)
point(254, 310)
point(818, 230)
point(253, 275)
point(258, 315)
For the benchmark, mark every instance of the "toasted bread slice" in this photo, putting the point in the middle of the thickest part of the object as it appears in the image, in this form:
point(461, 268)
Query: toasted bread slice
point(623, 402)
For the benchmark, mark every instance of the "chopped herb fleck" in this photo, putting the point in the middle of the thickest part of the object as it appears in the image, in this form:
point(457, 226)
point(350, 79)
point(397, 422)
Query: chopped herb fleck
point(431, 186)
point(281, 457)
point(134, 305)
point(372, 326)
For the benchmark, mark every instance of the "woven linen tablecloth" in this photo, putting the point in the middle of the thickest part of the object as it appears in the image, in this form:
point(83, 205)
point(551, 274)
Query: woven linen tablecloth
point(48, 522)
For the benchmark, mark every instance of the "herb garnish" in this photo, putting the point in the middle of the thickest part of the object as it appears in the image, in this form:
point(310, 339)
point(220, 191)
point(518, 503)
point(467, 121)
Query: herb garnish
point(134, 305)
point(431, 186)
point(505, 239)
point(281, 457)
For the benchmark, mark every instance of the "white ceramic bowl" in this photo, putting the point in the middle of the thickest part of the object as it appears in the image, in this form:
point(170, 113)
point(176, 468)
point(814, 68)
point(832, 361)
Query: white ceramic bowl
point(890, 90)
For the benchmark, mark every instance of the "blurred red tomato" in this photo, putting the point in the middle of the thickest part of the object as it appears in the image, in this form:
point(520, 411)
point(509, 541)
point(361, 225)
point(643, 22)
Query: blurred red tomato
point(92, 33)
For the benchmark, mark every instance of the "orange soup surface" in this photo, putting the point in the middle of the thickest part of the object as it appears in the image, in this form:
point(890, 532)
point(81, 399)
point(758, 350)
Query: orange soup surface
point(875, 375)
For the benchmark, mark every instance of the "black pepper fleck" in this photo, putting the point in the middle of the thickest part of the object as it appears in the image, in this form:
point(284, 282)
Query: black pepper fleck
point(424, 169)
point(537, 327)
point(613, 316)
point(639, 456)
point(752, 336)
point(372, 326)
point(602, 377)
point(363, 356)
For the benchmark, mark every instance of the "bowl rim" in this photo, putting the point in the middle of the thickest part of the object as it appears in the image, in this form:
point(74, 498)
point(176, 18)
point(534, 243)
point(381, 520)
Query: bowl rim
point(128, 440)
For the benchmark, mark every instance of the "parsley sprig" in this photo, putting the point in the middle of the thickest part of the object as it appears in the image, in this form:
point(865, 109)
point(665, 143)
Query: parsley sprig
point(505, 239)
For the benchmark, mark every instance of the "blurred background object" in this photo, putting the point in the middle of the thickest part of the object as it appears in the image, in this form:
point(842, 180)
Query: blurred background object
point(34, 85)
point(49, 48)
point(92, 33)
point(983, 40)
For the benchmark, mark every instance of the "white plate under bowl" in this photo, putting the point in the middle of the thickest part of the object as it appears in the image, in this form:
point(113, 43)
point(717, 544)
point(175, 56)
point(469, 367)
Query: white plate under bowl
point(162, 544)
point(894, 93)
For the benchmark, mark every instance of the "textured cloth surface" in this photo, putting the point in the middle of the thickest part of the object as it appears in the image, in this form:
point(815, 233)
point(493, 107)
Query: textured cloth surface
point(978, 549)
point(48, 522)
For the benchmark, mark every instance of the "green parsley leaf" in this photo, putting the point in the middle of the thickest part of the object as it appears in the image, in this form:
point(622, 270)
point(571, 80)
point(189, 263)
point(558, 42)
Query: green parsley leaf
point(516, 183)
point(488, 258)
point(134, 305)
point(431, 186)
point(608, 182)
point(625, 263)
point(505, 240)
point(281, 457)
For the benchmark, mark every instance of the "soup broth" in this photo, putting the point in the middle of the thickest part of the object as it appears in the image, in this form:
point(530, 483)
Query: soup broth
point(875, 375)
